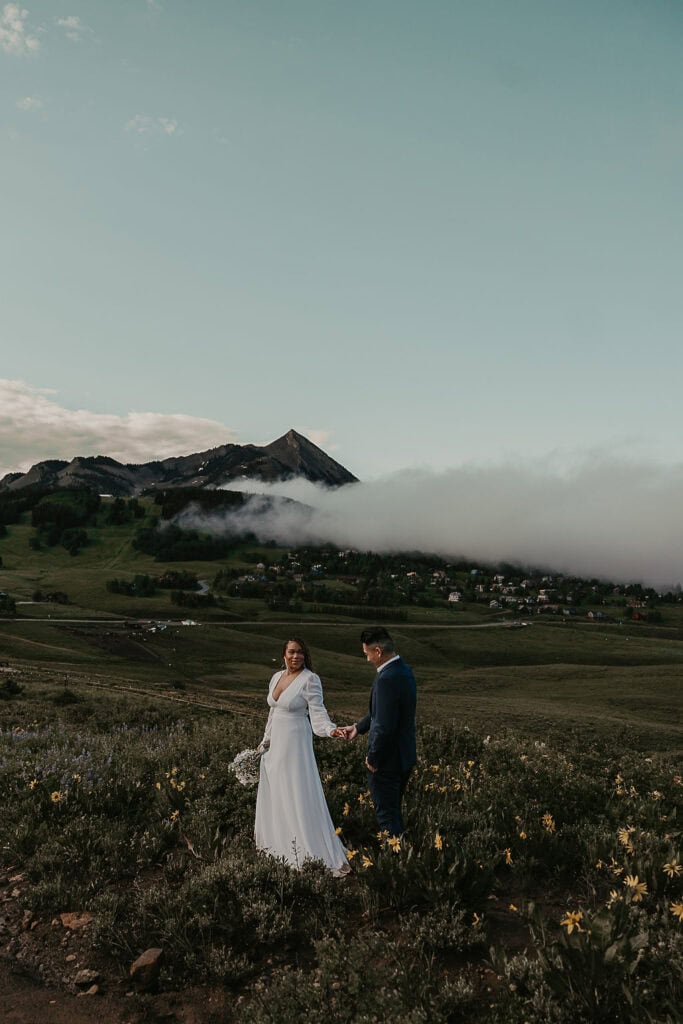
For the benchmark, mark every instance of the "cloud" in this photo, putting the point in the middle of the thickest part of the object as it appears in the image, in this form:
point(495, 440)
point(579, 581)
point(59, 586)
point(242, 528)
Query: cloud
point(74, 28)
point(14, 37)
point(33, 427)
point(30, 104)
point(142, 124)
point(605, 517)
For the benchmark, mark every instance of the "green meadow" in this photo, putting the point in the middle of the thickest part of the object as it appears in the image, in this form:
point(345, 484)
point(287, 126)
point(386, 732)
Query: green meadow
point(540, 877)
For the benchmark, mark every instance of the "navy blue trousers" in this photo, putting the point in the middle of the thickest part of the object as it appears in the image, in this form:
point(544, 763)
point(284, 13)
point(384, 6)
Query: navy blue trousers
point(387, 789)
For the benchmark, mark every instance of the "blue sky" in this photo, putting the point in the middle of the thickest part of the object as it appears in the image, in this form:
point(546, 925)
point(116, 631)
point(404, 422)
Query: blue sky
point(426, 234)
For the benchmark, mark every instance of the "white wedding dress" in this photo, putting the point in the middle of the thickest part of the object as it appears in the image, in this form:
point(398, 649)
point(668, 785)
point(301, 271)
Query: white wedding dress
point(292, 818)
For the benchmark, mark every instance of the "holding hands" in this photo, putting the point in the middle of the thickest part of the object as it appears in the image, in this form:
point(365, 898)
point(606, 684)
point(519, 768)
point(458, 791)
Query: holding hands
point(345, 732)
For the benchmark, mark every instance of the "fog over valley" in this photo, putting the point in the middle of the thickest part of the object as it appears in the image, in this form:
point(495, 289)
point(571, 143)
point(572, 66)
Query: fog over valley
point(606, 517)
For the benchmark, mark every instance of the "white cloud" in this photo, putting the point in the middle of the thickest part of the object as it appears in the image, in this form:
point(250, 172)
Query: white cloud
point(74, 28)
point(30, 103)
point(33, 427)
point(605, 517)
point(14, 37)
point(143, 124)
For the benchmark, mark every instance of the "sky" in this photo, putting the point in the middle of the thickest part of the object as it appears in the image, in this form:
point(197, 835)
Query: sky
point(428, 236)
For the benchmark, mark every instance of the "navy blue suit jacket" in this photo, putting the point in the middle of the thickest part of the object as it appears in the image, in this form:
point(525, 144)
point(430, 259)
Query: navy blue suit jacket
point(391, 719)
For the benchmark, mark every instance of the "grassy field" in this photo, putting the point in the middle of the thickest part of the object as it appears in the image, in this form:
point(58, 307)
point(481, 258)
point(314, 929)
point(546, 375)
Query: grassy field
point(546, 797)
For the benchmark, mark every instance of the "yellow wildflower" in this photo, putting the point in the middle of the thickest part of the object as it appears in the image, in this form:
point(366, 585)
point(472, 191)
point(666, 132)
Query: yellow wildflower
point(508, 855)
point(438, 841)
point(395, 843)
point(599, 864)
point(624, 835)
point(638, 888)
point(615, 868)
point(673, 869)
point(346, 810)
point(548, 822)
point(33, 783)
point(351, 854)
point(656, 795)
point(174, 771)
point(512, 908)
point(572, 921)
point(523, 835)
point(367, 863)
point(614, 897)
point(677, 910)
point(76, 778)
point(470, 764)
point(157, 785)
point(476, 920)
point(338, 831)
point(382, 835)
point(55, 797)
point(175, 815)
point(361, 798)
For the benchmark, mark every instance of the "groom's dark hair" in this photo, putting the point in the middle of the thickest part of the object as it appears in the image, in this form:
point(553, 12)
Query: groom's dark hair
point(378, 636)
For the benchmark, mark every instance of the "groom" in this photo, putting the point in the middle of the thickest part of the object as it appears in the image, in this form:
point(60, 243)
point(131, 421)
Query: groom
point(391, 725)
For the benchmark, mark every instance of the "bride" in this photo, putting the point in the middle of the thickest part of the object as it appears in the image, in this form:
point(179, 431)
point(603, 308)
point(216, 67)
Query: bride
point(292, 818)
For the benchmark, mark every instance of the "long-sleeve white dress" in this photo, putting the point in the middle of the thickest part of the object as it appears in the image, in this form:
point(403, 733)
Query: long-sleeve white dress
point(292, 818)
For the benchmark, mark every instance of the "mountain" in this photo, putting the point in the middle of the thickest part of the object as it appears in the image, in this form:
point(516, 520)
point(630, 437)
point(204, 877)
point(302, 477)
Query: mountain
point(290, 456)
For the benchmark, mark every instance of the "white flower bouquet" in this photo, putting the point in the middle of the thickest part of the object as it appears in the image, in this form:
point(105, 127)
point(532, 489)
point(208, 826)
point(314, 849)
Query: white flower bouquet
point(247, 766)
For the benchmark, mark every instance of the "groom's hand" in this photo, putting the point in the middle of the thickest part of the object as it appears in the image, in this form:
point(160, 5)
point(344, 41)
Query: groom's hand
point(370, 767)
point(350, 732)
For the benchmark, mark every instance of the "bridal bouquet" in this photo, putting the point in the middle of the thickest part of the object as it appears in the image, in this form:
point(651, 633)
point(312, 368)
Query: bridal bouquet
point(246, 766)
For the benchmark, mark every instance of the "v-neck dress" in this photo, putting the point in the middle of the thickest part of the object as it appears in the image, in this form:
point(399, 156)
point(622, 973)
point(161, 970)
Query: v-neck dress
point(292, 818)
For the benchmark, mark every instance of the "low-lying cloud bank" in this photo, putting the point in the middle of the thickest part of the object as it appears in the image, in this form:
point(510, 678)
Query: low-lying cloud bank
point(607, 518)
point(34, 427)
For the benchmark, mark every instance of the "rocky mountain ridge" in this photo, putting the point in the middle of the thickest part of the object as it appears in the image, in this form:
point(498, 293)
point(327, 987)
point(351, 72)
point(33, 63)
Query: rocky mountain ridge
point(291, 455)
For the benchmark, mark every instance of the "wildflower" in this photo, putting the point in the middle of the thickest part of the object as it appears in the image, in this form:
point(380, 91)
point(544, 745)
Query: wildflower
point(346, 810)
point(476, 920)
point(656, 795)
point(548, 822)
point(673, 869)
point(614, 897)
point(382, 835)
point(512, 908)
point(174, 771)
point(76, 778)
point(639, 889)
point(600, 864)
point(395, 843)
point(572, 921)
point(33, 783)
point(438, 841)
point(677, 910)
point(351, 854)
point(457, 786)
point(523, 835)
point(619, 781)
point(624, 835)
point(361, 798)
point(508, 855)
point(367, 863)
point(470, 764)
point(55, 797)
point(157, 785)
point(338, 831)
point(175, 815)
point(615, 868)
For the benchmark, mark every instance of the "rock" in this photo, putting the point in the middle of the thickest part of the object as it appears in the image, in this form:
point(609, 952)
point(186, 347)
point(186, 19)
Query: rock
point(71, 958)
point(145, 970)
point(17, 878)
point(92, 991)
point(86, 977)
point(26, 918)
point(76, 921)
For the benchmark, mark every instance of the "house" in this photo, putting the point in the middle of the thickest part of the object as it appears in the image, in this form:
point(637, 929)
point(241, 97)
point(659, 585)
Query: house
point(454, 596)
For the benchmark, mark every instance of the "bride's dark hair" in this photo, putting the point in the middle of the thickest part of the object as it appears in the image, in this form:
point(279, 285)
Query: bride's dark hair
point(302, 644)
